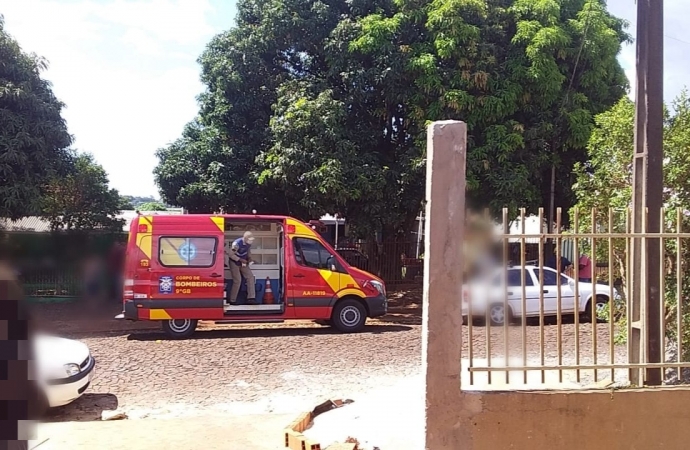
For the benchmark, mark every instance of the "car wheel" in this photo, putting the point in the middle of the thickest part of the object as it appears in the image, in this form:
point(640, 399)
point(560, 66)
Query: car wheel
point(498, 314)
point(599, 306)
point(179, 328)
point(349, 316)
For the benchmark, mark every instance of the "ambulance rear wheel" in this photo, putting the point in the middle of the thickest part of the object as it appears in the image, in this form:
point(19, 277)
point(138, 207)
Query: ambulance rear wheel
point(179, 328)
point(349, 316)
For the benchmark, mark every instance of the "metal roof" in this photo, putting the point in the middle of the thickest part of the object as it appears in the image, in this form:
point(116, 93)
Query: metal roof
point(35, 224)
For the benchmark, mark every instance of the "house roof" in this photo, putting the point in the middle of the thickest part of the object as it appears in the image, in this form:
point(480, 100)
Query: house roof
point(34, 224)
point(37, 224)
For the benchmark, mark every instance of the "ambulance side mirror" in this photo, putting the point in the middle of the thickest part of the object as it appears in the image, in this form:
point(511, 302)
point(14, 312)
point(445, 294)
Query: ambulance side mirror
point(330, 262)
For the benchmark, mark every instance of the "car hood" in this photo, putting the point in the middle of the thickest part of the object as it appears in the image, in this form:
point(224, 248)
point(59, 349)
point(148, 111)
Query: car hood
point(52, 352)
point(365, 275)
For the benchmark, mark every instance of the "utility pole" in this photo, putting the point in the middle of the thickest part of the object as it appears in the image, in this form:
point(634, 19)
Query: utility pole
point(552, 211)
point(645, 311)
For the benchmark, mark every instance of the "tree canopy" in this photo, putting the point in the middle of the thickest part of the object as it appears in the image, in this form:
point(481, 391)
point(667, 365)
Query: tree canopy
point(133, 201)
point(34, 143)
point(126, 203)
point(605, 181)
point(152, 206)
point(82, 199)
point(321, 106)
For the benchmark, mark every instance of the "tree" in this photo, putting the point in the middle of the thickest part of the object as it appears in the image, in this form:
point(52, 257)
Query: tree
point(321, 106)
point(605, 182)
point(527, 76)
point(152, 206)
point(33, 136)
point(133, 201)
point(82, 200)
point(125, 203)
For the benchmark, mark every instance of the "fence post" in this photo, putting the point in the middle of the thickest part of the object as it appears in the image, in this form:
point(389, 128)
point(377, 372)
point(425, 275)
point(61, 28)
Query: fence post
point(443, 269)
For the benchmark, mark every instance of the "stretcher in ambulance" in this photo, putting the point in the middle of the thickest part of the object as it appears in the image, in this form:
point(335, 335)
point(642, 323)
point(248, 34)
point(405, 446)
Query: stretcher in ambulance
point(177, 272)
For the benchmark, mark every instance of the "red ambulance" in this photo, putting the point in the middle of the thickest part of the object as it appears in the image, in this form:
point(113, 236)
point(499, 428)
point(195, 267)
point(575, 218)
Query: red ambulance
point(176, 272)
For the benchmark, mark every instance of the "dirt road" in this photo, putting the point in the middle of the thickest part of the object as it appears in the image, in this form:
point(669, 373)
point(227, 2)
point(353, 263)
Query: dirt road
point(271, 369)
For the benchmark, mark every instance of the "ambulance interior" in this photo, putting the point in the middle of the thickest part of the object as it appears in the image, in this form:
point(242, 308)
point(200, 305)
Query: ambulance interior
point(267, 267)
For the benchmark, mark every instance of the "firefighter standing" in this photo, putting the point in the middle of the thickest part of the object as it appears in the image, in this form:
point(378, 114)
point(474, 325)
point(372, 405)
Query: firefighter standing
point(240, 254)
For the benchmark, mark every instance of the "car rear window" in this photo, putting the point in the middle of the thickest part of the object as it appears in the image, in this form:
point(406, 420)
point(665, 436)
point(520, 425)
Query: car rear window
point(181, 251)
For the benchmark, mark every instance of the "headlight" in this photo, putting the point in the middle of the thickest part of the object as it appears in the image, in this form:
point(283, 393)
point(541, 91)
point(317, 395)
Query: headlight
point(71, 369)
point(379, 287)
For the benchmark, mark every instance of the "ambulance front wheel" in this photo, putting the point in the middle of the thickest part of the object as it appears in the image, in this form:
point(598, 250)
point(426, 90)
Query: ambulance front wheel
point(179, 328)
point(349, 316)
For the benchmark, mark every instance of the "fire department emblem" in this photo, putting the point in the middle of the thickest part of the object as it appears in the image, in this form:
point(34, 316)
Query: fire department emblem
point(165, 285)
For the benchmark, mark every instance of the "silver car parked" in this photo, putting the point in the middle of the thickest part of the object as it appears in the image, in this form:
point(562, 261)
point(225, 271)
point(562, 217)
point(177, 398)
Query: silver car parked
point(489, 297)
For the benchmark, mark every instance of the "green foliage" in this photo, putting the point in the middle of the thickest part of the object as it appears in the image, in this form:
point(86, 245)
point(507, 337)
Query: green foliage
point(126, 203)
point(33, 136)
point(605, 181)
point(322, 106)
point(82, 199)
point(132, 201)
point(152, 206)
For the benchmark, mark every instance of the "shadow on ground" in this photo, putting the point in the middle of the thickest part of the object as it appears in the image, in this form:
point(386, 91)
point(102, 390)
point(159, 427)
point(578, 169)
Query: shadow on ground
point(86, 408)
point(405, 308)
point(242, 333)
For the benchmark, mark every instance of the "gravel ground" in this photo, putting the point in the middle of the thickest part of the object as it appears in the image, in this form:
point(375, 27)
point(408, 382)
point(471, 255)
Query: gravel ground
point(275, 368)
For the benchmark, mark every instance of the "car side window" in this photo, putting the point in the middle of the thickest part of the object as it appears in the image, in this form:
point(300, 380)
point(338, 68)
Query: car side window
point(550, 277)
point(310, 253)
point(515, 278)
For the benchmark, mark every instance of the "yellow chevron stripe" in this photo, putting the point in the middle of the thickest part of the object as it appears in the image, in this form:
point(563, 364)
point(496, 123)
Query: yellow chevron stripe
point(300, 228)
point(332, 278)
point(355, 292)
point(337, 281)
point(159, 314)
point(144, 240)
point(148, 221)
point(346, 280)
point(220, 222)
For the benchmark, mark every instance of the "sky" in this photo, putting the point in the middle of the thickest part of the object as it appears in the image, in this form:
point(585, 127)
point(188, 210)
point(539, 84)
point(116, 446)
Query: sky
point(127, 70)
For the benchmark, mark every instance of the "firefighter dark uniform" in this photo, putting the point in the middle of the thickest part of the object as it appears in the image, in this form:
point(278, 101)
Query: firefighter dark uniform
point(240, 254)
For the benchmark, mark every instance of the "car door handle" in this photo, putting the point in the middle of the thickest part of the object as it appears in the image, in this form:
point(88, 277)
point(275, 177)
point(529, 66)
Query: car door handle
point(510, 293)
point(298, 275)
point(216, 275)
point(545, 291)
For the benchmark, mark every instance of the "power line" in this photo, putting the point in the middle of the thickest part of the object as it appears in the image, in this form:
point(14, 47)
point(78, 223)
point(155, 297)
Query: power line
point(676, 39)
point(634, 29)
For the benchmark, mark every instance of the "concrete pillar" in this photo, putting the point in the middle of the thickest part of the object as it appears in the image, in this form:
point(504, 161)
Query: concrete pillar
point(443, 268)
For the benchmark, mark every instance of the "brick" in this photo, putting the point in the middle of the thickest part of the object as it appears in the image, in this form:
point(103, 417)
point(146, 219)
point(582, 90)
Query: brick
point(311, 445)
point(295, 440)
point(301, 422)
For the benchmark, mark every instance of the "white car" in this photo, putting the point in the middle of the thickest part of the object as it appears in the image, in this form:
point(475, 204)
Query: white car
point(64, 369)
point(487, 296)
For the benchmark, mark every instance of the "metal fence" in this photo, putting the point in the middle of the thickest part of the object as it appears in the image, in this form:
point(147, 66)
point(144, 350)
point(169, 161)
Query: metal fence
point(395, 262)
point(51, 264)
point(573, 333)
point(51, 282)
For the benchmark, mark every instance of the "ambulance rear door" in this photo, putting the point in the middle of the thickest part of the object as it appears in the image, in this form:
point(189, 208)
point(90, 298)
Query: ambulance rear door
point(188, 273)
